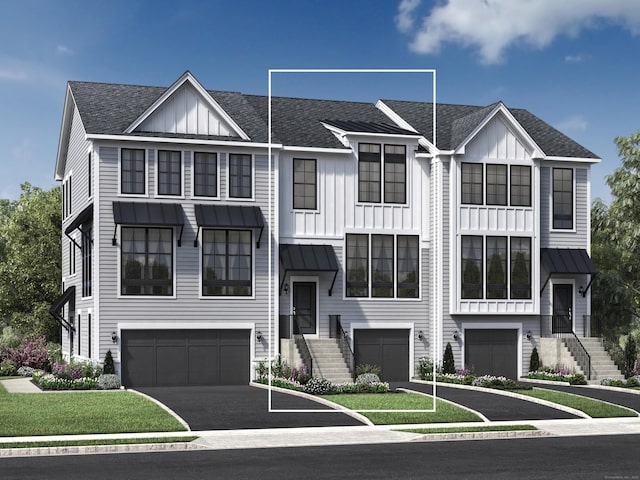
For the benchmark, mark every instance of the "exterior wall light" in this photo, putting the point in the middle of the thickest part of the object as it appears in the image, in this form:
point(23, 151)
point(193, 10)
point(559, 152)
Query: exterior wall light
point(420, 335)
point(259, 336)
point(529, 335)
point(114, 337)
point(456, 335)
point(286, 289)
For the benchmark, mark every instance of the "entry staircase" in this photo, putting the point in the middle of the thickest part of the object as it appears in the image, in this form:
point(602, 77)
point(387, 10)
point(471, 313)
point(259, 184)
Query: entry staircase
point(328, 360)
point(601, 364)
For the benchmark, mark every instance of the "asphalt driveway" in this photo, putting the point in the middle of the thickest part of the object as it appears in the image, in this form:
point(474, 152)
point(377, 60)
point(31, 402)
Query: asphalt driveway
point(493, 406)
point(235, 407)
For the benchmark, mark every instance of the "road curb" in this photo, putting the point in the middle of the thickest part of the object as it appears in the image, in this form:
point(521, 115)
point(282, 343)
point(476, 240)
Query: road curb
point(99, 449)
point(510, 434)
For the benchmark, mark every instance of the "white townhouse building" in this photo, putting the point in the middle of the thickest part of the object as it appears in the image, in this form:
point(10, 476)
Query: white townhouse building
point(192, 254)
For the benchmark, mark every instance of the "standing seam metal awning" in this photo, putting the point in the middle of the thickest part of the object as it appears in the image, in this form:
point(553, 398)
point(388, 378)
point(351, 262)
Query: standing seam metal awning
point(308, 258)
point(566, 261)
point(83, 217)
point(148, 213)
point(60, 302)
point(234, 216)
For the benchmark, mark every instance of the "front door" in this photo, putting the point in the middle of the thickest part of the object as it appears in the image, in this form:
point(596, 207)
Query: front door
point(304, 307)
point(562, 308)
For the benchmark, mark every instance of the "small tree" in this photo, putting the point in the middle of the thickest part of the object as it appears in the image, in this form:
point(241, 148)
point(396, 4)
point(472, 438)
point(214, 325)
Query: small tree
point(448, 364)
point(534, 362)
point(109, 367)
point(630, 356)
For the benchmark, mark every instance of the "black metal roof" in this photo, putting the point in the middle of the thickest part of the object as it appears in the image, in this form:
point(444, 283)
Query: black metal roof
point(369, 127)
point(148, 213)
point(567, 260)
point(308, 258)
point(229, 216)
point(84, 216)
point(62, 300)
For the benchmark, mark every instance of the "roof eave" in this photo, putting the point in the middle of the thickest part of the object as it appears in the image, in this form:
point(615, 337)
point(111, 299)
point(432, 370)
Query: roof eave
point(65, 128)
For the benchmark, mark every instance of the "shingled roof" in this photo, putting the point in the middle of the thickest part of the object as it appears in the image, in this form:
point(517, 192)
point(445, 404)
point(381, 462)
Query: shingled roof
point(110, 108)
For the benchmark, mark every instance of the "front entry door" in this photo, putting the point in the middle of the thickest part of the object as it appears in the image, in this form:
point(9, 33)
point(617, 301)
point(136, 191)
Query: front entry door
point(304, 307)
point(562, 308)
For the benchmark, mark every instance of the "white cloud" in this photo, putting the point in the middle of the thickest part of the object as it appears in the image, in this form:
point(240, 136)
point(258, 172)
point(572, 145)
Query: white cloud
point(404, 19)
point(575, 58)
point(575, 123)
point(64, 50)
point(492, 26)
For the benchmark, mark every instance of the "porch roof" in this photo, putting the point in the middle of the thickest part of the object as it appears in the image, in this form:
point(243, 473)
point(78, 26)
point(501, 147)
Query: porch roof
point(308, 258)
point(567, 260)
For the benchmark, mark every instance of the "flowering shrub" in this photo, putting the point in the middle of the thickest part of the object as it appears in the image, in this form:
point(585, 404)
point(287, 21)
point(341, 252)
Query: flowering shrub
point(25, 371)
point(108, 381)
point(51, 382)
point(425, 368)
point(64, 371)
point(368, 378)
point(491, 381)
point(558, 374)
point(317, 386)
point(32, 352)
point(7, 368)
point(299, 375)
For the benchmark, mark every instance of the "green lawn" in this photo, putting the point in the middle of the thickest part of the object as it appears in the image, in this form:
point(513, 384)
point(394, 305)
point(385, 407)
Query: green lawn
point(445, 412)
point(88, 443)
point(487, 428)
point(67, 413)
point(593, 408)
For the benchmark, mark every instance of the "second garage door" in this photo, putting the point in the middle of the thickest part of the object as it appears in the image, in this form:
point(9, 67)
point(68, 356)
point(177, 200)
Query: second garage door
point(185, 357)
point(492, 352)
point(386, 348)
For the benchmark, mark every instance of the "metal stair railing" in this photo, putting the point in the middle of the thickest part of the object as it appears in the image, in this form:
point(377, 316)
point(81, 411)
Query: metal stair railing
point(336, 331)
point(303, 346)
point(561, 326)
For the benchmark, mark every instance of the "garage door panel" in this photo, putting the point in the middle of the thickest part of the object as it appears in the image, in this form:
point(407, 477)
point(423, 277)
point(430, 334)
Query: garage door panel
point(203, 364)
point(139, 360)
point(239, 374)
point(492, 351)
point(386, 348)
point(171, 364)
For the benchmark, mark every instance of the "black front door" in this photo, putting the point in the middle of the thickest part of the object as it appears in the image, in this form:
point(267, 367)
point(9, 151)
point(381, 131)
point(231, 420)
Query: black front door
point(304, 307)
point(562, 308)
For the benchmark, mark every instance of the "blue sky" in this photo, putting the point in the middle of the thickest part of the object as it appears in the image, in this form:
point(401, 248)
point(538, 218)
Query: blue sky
point(574, 63)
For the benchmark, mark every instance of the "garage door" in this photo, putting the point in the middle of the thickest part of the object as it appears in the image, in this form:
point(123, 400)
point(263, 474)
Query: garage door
point(388, 349)
point(492, 352)
point(185, 357)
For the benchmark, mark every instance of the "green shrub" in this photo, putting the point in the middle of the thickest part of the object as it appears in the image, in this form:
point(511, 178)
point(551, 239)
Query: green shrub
point(108, 368)
point(633, 382)
point(448, 363)
point(318, 386)
point(261, 369)
point(8, 368)
point(610, 382)
point(630, 356)
point(534, 361)
point(366, 368)
point(367, 378)
point(425, 368)
point(108, 382)
point(577, 379)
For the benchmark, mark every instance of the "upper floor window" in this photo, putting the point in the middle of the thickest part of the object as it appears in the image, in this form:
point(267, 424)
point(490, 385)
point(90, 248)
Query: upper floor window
point(472, 262)
point(304, 183)
point(146, 261)
point(240, 176)
point(496, 184)
point(132, 171)
point(66, 197)
point(520, 267)
point(395, 174)
point(169, 173)
point(496, 267)
point(226, 262)
point(472, 183)
point(563, 198)
point(389, 268)
point(205, 174)
point(371, 175)
point(87, 259)
point(520, 186)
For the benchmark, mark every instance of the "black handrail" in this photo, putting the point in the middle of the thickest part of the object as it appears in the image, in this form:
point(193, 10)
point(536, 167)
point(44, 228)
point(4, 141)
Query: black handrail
point(560, 326)
point(303, 347)
point(576, 348)
point(336, 331)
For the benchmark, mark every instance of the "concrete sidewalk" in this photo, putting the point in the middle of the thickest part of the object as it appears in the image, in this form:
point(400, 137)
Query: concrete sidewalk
point(20, 385)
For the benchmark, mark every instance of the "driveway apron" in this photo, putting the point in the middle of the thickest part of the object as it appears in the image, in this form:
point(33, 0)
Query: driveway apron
point(243, 407)
point(629, 400)
point(494, 406)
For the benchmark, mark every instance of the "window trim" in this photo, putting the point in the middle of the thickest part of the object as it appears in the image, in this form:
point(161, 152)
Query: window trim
point(252, 243)
point(294, 183)
point(482, 268)
point(382, 181)
point(552, 202)
point(505, 266)
point(146, 174)
point(193, 175)
point(251, 198)
point(174, 254)
point(157, 174)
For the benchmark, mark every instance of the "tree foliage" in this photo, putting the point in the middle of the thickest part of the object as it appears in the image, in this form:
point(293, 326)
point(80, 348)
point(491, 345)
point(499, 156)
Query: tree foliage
point(30, 258)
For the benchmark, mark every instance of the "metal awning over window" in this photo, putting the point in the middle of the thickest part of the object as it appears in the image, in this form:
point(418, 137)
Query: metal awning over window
point(68, 295)
point(147, 213)
point(83, 217)
point(308, 258)
point(229, 216)
point(572, 261)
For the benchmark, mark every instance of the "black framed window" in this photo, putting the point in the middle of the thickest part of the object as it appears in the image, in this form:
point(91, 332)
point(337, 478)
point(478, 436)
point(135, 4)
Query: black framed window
point(382, 265)
point(369, 173)
point(87, 259)
point(226, 263)
point(169, 172)
point(496, 184)
point(146, 261)
point(520, 267)
point(496, 267)
point(395, 174)
point(408, 266)
point(563, 198)
point(304, 183)
point(205, 174)
point(472, 183)
point(472, 261)
point(72, 258)
point(357, 271)
point(240, 176)
point(520, 189)
point(132, 171)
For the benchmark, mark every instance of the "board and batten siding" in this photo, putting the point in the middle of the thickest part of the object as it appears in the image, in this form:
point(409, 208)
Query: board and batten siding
point(187, 309)
point(76, 164)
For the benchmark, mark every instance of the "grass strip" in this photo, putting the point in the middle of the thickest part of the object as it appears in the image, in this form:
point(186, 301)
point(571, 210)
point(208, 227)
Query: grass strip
point(593, 408)
point(445, 412)
point(91, 443)
point(61, 413)
point(487, 428)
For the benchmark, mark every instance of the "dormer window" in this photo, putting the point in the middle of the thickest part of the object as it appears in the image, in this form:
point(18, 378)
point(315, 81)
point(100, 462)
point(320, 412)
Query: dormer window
point(371, 174)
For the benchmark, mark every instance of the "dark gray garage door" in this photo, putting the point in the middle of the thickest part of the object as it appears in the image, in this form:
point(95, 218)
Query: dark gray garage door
point(185, 357)
point(492, 352)
point(386, 348)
